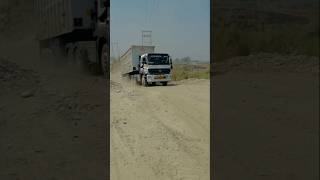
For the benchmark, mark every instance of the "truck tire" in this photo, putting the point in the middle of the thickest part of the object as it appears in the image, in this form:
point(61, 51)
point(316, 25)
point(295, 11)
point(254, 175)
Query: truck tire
point(104, 60)
point(164, 83)
point(78, 59)
point(70, 56)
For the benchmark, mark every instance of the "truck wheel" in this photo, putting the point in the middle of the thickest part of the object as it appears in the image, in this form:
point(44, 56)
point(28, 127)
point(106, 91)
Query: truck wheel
point(70, 56)
point(165, 83)
point(104, 60)
point(78, 59)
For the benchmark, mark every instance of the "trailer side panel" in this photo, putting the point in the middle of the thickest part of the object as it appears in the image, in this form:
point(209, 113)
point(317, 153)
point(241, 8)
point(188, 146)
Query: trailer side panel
point(130, 60)
point(59, 17)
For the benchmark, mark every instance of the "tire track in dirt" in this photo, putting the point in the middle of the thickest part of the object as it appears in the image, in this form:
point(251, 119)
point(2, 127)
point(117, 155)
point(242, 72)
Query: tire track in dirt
point(163, 139)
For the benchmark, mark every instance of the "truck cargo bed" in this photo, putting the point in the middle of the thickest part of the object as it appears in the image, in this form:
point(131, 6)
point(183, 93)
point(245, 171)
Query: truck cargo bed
point(129, 61)
point(59, 17)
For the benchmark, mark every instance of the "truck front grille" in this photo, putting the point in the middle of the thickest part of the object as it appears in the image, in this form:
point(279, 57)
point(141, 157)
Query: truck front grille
point(159, 71)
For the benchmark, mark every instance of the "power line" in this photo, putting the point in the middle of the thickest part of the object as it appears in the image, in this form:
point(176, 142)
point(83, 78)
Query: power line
point(147, 11)
point(146, 38)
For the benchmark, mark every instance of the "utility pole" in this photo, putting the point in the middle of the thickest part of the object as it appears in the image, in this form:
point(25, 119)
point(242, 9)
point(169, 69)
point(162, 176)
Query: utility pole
point(146, 38)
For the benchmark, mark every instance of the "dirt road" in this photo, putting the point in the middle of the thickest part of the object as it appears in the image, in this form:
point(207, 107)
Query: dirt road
point(159, 132)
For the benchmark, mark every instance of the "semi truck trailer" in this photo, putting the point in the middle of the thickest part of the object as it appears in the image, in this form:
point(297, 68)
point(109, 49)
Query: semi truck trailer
point(78, 29)
point(146, 66)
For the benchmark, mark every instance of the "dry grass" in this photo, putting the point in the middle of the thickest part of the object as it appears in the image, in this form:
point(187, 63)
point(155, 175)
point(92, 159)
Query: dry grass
point(186, 71)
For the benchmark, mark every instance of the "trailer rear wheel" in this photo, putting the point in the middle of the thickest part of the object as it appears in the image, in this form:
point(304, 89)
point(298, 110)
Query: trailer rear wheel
point(70, 56)
point(104, 60)
point(78, 59)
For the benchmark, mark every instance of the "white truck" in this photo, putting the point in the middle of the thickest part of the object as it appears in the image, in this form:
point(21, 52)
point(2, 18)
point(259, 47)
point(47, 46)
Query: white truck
point(78, 29)
point(147, 67)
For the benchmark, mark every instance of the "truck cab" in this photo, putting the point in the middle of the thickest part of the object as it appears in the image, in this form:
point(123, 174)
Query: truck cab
point(155, 68)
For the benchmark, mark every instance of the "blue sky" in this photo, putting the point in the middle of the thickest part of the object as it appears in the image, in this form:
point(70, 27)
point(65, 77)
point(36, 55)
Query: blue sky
point(179, 27)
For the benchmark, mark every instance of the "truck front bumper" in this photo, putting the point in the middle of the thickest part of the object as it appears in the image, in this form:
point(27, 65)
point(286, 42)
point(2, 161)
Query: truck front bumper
point(158, 78)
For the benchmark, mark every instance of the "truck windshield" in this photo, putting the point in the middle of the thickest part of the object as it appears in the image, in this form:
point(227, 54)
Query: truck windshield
point(158, 59)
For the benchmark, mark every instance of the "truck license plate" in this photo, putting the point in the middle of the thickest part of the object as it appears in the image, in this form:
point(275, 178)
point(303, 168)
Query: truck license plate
point(160, 77)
